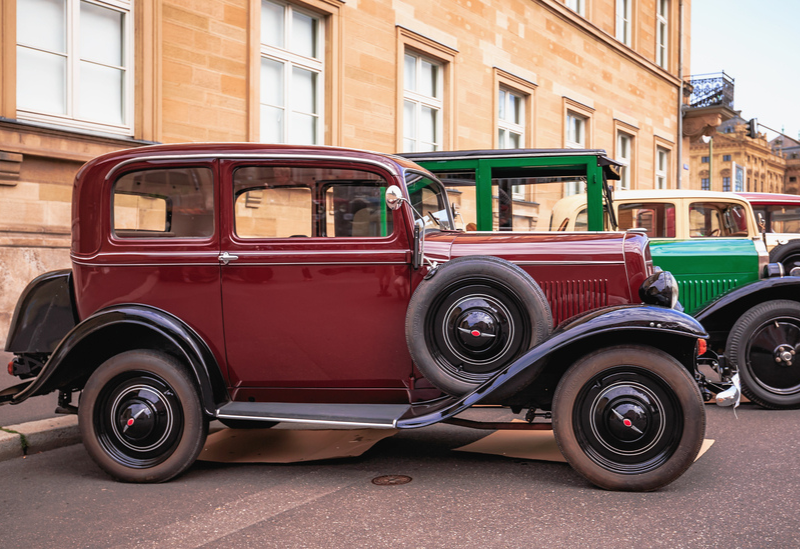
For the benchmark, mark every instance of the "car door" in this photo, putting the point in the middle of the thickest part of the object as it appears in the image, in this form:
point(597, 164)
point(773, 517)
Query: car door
point(315, 282)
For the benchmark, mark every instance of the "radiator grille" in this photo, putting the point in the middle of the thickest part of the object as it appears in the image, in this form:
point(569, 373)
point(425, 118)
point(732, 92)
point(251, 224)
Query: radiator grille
point(568, 298)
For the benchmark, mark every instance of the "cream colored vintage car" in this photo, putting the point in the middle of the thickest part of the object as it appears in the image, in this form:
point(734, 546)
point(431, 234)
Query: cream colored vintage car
point(689, 214)
point(668, 214)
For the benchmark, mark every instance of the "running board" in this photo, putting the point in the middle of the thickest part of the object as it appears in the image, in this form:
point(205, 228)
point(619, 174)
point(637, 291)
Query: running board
point(376, 416)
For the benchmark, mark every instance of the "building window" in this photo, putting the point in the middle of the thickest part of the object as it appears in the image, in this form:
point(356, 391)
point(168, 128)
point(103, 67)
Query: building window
point(625, 157)
point(510, 120)
point(705, 184)
point(422, 103)
point(575, 138)
point(726, 158)
point(576, 131)
point(511, 128)
point(624, 21)
point(577, 5)
point(662, 167)
point(292, 69)
point(726, 184)
point(75, 63)
point(662, 33)
point(739, 174)
point(704, 159)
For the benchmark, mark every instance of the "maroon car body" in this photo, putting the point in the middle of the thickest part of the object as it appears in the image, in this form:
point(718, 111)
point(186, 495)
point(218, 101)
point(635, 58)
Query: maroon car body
point(251, 268)
point(578, 273)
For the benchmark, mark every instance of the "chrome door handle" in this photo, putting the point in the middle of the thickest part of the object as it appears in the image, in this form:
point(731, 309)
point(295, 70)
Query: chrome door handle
point(225, 258)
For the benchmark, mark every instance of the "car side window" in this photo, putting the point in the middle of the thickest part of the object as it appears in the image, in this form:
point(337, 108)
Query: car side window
point(582, 221)
point(781, 219)
point(164, 203)
point(657, 218)
point(293, 201)
point(717, 219)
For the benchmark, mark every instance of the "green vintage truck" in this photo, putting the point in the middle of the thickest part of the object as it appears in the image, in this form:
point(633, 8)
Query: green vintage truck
point(750, 309)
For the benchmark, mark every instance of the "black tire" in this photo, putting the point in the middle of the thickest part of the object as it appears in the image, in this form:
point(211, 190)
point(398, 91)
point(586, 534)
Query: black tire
point(786, 254)
point(474, 316)
point(140, 417)
point(763, 346)
point(629, 418)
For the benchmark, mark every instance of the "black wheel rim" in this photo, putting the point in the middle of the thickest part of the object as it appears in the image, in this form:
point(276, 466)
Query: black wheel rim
point(138, 419)
point(772, 355)
point(628, 420)
point(476, 328)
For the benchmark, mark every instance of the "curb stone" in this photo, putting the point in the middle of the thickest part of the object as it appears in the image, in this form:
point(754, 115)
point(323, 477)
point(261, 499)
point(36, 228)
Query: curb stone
point(38, 436)
point(10, 445)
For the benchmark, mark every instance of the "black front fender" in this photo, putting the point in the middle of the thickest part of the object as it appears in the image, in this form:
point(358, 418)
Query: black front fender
point(69, 365)
point(720, 315)
point(627, 323)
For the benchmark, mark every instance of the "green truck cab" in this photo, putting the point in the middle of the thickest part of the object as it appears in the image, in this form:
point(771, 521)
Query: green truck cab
point(711, 246)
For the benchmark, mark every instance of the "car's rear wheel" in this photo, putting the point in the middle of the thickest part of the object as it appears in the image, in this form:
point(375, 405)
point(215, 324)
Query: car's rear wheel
point(764, 345)
point(140, 417)
point(472, 318)
point(629, 418)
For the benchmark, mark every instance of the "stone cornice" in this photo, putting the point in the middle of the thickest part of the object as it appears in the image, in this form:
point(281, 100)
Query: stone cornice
point(29, 139)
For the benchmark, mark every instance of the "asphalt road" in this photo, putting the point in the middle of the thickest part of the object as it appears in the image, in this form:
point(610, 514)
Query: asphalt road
point(744, 492)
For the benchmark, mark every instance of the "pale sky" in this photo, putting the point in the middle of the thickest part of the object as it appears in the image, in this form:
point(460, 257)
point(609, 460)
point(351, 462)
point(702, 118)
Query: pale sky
point(756, 43)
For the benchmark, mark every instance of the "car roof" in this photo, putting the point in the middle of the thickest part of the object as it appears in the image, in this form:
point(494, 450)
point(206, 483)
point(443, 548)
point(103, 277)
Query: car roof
point(675, 194)
point(771, 198)
point(509, 153)
point(654, 194)
point(115, 159)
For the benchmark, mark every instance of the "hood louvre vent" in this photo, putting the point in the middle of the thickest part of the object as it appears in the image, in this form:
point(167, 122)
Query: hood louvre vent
point(568, 298)
point(694, 294)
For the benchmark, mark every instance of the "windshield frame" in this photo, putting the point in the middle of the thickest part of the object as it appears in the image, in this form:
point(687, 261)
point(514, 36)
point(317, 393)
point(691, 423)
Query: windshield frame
point(441, 191)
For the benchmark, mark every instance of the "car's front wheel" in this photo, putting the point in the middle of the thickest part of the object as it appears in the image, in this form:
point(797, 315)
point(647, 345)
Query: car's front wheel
point(763, 345)
point(140, 417)
point(629, 418)
point(786, 254)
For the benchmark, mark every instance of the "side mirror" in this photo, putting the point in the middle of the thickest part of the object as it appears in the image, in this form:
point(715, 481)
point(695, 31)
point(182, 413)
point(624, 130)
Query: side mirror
point(394, 197)
point(762, 227)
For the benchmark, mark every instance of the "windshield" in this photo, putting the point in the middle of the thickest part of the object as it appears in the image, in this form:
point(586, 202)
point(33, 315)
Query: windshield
point(429, 200)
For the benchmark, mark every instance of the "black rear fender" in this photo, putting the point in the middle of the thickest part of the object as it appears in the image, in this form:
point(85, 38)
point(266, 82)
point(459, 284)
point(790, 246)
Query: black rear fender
point(44, 314)
point(123, 328)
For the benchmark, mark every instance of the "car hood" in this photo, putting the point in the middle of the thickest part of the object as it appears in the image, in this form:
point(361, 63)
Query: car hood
point(551, 247)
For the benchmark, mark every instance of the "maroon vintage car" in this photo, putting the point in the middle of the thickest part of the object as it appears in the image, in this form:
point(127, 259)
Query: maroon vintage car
point(258, 284)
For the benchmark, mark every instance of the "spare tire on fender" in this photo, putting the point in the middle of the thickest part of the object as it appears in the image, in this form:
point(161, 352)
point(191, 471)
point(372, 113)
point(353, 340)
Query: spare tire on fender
point(474, 316)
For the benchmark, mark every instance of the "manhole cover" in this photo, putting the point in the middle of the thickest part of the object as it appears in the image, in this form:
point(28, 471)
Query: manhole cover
point(391, 480)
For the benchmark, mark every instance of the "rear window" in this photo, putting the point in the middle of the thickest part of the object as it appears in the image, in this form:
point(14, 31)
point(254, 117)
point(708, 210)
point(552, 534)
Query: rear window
point(169, 203)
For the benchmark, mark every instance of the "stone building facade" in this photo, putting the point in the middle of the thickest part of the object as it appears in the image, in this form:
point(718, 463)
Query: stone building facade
point(84, 77)
point(734, 161)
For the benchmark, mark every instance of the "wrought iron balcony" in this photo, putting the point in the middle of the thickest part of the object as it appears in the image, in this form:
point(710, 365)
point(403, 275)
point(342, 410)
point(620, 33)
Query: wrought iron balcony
point(711, 90)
